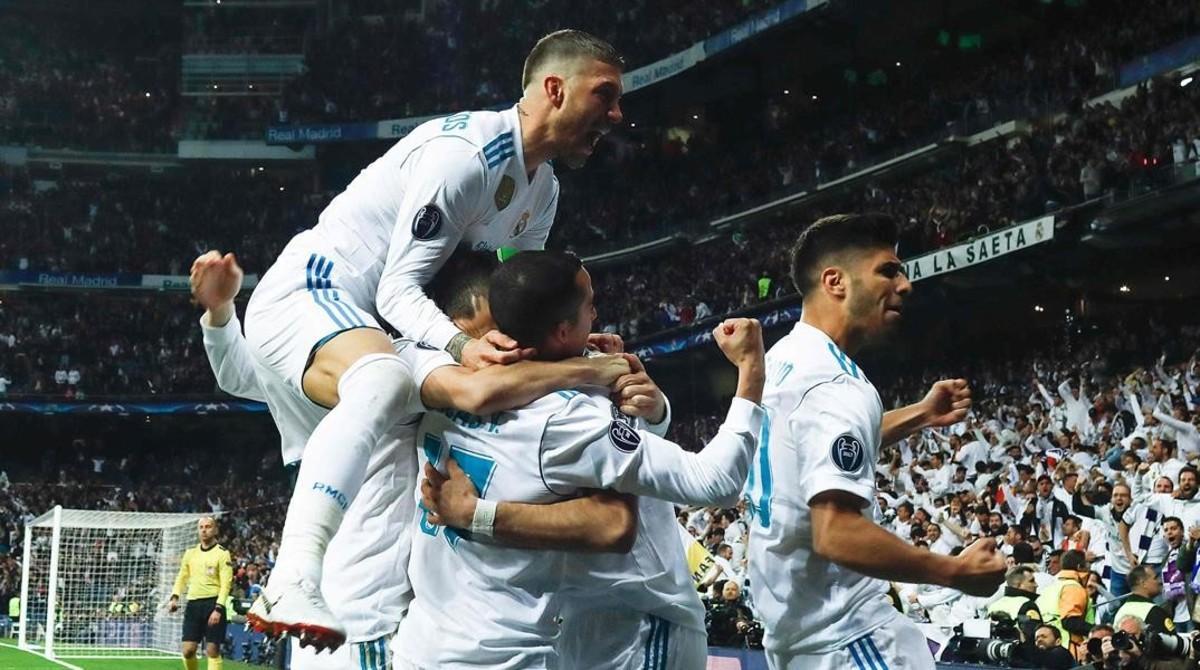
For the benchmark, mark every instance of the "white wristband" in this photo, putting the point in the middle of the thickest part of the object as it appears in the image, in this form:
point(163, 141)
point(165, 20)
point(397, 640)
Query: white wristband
point(484, 521)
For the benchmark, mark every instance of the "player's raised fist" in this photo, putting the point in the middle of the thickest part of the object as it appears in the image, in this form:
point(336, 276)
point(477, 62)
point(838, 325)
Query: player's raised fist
point(607, 343)
point(979, 569)
point(216, 279)
point(740, 340)
point(947, 402)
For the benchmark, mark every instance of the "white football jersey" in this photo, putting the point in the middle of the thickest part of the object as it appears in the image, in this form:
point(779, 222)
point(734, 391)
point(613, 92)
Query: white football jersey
point(822, 434)
point(461, 178)
point(478, 604)
point(364, 574)
point(652, 578)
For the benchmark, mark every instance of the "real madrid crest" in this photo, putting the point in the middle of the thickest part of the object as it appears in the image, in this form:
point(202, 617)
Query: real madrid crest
point(521, 224)
point(504, 192)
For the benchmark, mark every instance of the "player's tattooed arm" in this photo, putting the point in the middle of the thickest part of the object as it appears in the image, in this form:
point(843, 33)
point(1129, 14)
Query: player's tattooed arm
point(603, 521)
point(456, 346)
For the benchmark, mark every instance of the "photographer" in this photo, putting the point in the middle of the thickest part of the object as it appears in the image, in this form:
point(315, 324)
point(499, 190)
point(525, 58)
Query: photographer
point(729, 621)
point(1018, 603)
point(1130, 648)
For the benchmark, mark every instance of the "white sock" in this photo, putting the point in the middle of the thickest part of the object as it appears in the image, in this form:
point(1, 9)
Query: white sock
point(372, 393)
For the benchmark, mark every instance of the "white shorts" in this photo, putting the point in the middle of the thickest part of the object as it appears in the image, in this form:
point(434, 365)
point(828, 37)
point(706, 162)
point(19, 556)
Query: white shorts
point(373, 655)
point(899, 645)
point(301, 302)
point(630, 640)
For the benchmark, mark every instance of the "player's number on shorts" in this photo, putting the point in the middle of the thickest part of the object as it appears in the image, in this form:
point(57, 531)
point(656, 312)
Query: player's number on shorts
point(758, 485)
point(478, 468)
point(456, 122)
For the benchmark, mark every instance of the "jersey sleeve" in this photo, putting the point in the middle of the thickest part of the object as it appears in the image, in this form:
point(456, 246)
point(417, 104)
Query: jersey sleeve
point(838, 454)
point(182, 577)
point(226, 578)
point(443, 196)
point(422, 359)
point(535, 236)
point(589, 444)
point(231, 361)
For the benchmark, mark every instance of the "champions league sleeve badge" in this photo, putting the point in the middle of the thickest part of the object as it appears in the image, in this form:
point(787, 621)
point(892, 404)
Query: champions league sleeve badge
point(847, 453)
point(427, 222)
point(623, 436)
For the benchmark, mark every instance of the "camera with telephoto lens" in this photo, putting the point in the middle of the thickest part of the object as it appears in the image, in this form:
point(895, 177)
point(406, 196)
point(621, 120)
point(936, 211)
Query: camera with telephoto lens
point(963, 649)
point(1159, 646)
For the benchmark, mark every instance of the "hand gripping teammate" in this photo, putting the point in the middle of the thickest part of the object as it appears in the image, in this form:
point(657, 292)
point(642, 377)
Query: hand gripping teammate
point(317, 319)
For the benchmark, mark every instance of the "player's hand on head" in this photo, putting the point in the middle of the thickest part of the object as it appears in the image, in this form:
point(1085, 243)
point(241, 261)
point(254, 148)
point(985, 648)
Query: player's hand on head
point(607, 343)
point(947, 402)
point(740, 340)
point(494, 348)
point(215, 279)
point(979, 569)
point(636, 394)
point(449, 499)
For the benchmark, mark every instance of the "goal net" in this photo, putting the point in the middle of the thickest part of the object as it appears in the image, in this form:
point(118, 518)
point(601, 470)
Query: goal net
point(96, 584)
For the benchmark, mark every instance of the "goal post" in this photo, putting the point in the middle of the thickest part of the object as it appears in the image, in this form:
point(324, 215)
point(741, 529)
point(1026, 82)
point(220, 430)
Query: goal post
point(95, 584)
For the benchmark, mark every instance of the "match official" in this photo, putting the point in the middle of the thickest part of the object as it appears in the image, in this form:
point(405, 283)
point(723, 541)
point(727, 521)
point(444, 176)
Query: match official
point(207, 571)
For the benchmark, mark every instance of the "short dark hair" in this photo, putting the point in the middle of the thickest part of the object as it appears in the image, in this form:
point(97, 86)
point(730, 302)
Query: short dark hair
point(465, 276)
point(1072, 517)
point(569, 44)
point(1173, 518)
point(1073, 559)
point(1022, 553)
point(1053, 630)
point(533, 292)
point(1189, 468)
point(1140, 574)
point(836, 234)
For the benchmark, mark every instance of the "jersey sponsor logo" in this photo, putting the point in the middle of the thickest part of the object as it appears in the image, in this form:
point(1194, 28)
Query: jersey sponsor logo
point(522, 223)
point(338, 496)
point(427, 222)
point(623, 436)
point(847, 453)
point(504, 193)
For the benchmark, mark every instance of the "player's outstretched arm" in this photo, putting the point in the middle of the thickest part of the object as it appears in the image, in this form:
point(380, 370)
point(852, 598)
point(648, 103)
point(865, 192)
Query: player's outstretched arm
point(842, 535)
point(947, 403)
point(501, 387)
point(588, 446)
point(602, 521)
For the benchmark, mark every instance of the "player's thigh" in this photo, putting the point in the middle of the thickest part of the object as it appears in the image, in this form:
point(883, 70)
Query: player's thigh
point(331, 357)
point(687, 649)
point(195, 620)
point(610, 639)
point(900, 645)
point(292, 315)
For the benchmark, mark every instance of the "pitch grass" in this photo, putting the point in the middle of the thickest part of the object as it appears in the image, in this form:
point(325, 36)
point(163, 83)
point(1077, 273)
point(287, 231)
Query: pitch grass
point(15, 659)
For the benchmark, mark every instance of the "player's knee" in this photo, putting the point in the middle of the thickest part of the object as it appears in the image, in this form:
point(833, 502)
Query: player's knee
point(189, 651)
point(332, 359)
point(380, 383)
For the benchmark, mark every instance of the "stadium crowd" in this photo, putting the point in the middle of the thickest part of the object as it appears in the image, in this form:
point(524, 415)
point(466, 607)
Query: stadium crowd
point(131, 226)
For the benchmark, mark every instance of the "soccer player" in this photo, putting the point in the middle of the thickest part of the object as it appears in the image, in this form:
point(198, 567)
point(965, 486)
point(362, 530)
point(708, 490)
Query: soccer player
point(317, 319)
point(366, 583)
point(817, 560)
point(482, 605)
point(206, 572)
point(625, 611)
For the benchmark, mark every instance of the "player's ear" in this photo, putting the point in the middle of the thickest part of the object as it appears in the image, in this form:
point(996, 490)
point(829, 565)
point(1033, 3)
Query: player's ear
point(833, 281)
point(555, 88)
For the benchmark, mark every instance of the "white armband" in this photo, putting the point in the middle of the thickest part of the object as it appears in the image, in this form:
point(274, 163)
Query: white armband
point(484, 521)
